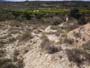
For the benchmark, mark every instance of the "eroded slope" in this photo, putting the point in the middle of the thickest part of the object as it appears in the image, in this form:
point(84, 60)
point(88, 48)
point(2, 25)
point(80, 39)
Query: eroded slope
point(28, 45)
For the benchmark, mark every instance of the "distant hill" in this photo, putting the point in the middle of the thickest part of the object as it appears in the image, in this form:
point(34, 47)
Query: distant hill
point(44, 4)
point(1, 0)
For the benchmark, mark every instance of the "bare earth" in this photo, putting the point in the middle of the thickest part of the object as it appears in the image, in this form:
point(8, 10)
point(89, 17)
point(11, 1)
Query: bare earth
point(28, 45)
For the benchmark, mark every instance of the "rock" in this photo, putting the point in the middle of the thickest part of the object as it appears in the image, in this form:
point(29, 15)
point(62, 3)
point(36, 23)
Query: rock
point(53, 38)
point(49, 30)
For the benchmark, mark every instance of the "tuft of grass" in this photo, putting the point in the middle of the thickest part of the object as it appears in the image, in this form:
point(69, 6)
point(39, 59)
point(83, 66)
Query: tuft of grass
point(25, 36)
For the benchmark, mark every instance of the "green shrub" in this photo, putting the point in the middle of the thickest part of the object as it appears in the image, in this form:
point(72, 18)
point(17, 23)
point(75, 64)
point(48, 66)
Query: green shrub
point(74, 13)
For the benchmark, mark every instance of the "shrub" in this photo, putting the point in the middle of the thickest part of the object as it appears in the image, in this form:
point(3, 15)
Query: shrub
point(82, 20)
point(75, 13)
point(78, 56)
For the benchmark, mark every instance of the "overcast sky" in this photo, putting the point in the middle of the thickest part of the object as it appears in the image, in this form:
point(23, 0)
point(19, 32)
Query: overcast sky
point(48, 0)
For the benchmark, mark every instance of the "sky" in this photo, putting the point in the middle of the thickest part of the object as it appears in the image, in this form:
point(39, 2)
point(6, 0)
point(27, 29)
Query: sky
point(46, 0)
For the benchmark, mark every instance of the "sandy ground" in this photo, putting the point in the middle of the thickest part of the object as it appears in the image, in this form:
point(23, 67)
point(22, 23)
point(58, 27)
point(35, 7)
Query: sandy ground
point(28, 45)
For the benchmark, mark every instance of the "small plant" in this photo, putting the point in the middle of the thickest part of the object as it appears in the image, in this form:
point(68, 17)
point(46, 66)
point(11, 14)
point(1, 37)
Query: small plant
point(48, 47)
point(87, 47)
point(82, 20)
point(25, 36)
point(52, 50)
point(2, 52)
point(77, 35)
point(78, 56)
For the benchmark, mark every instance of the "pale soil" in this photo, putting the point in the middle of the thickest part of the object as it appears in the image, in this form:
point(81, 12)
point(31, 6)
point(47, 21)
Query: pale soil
point(26, 45)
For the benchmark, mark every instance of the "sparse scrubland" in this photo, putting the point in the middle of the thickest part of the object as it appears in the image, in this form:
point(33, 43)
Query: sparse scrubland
point(56, 38)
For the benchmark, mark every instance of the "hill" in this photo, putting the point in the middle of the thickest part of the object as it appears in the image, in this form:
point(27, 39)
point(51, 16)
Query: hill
point(44, 34)
point(44, 4)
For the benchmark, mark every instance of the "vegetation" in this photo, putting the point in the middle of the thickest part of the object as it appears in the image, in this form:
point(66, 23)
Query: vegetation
point(6, 14)
point(74, 55)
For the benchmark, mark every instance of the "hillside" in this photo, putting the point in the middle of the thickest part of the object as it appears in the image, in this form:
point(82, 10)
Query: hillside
point(44, 38)
point(34, 45)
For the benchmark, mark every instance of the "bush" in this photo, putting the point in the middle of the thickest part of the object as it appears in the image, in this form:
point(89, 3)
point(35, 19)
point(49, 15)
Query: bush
point(82, 20)
point(74, 13)
point(78, 56)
